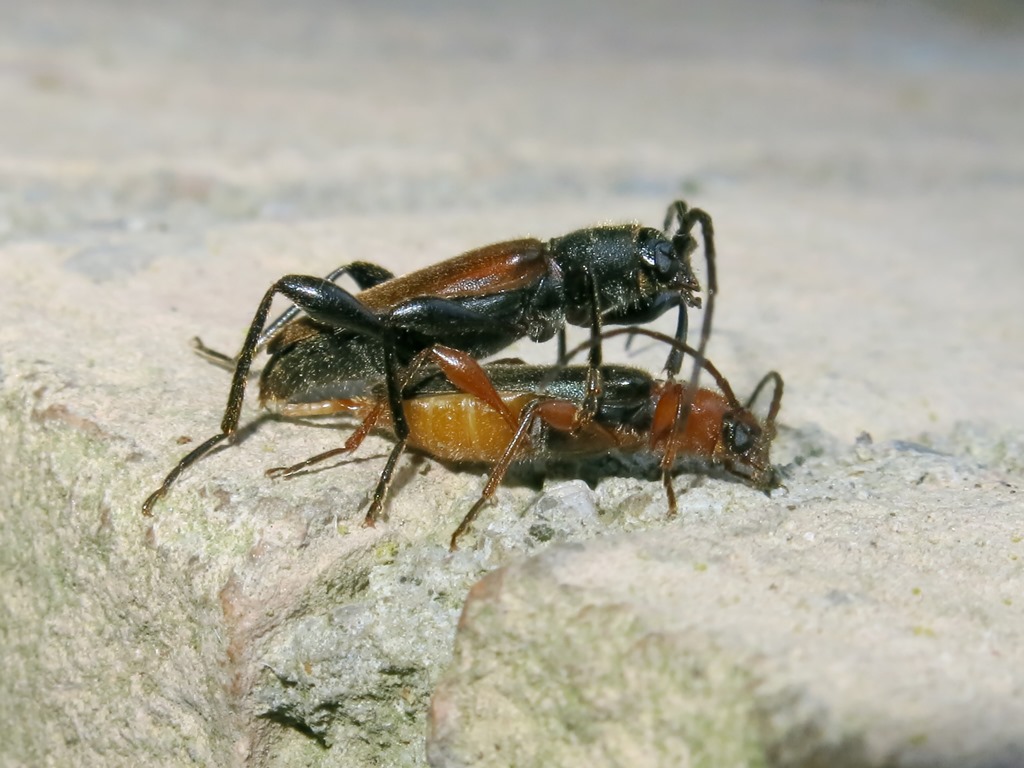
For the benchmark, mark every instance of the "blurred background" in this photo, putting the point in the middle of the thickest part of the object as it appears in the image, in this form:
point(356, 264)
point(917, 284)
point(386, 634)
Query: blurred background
point(863, 162)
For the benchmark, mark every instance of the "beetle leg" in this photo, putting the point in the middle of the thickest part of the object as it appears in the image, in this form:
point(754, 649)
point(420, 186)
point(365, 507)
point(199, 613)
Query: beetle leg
point(461, 369)
point(467, 375)
point(363, 273)
point(191, 458)
point(592, 398)
point(675, 357)
point(560, 414)
point(670, 492)
point(324, 302)
point(488, 325)
point(381, 492)
point(353, 443)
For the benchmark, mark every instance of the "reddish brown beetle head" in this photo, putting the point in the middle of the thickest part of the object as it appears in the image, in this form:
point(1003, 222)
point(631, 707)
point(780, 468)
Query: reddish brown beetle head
point(746, 441)
point(744, 449)
point(721, 430)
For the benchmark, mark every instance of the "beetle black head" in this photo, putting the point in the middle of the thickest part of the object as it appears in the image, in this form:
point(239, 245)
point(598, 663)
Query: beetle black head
point(667, 262)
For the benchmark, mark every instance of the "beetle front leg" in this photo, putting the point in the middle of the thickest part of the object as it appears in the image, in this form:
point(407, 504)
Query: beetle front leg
point(592, 398)
point(563, 354)
point(687, 221)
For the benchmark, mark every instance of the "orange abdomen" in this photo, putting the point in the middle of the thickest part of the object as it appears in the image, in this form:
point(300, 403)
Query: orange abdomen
point(459, 427)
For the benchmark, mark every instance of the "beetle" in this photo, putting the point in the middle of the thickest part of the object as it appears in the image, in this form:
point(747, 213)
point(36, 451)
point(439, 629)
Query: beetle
point(333, 343)
point(505, 411)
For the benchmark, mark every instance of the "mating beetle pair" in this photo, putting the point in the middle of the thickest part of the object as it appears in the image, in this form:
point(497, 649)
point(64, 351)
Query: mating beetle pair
point(333, 345)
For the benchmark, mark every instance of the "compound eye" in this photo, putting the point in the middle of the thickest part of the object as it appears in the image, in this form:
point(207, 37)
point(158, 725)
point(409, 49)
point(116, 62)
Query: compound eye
point(665, 261)
point(739, 437)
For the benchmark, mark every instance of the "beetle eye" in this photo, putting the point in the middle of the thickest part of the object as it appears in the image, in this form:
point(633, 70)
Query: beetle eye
point(739, 437)
point(659, 255)
point(665, 259)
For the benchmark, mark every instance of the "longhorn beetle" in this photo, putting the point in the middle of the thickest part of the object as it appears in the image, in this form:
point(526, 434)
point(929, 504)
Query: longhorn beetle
point(506, 411)
point(478, 303)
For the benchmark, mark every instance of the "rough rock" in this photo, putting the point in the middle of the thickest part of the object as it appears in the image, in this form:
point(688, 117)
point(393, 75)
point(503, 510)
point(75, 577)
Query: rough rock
point(835, 625)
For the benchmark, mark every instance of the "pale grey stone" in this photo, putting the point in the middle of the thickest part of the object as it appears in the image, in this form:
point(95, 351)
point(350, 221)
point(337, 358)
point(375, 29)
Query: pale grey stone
point(845, 623)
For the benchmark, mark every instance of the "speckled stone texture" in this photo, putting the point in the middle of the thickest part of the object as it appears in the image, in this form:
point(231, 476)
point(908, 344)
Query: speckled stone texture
point(160, 167)
point(840, 625)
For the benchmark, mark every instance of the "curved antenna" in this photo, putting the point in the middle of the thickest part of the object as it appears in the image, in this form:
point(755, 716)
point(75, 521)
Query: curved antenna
point(684, 348)
point(776, 404)
point(676, 210)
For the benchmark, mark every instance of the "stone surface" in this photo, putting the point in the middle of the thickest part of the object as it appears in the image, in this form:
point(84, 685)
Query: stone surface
point(839, 624)
point(160, 168)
